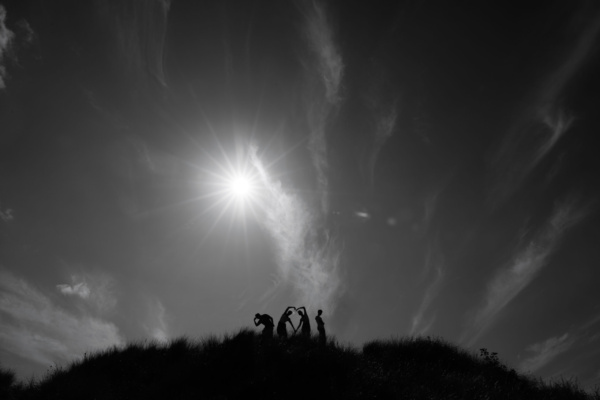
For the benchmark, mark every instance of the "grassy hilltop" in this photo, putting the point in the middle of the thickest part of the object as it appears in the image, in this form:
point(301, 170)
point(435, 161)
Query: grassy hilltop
point(242, 366)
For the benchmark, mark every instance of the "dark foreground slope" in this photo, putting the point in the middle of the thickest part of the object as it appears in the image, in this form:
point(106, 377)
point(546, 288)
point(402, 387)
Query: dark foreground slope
point(241, 366)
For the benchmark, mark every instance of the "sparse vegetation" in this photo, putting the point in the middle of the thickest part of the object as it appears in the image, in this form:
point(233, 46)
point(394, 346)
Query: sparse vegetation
point(241, 365)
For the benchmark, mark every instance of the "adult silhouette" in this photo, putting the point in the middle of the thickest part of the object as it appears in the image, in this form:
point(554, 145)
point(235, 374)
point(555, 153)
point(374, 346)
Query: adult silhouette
point(304, 322)
point(285, 317)
point(267, 321)
point(321, 327)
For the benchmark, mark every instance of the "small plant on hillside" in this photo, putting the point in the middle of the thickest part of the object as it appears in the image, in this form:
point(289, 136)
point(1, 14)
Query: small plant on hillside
point(493, 360)
point(7, 378)
point(9, 387)
point(490, 358)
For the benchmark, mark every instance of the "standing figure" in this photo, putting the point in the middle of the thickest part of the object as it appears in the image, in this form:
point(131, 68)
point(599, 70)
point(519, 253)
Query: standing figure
point(321, 327)
point(304, 322)
point(267, 321)
point(285, 317)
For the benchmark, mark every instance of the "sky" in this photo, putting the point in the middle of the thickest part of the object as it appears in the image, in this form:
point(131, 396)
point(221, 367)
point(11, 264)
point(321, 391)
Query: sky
point(413, 168)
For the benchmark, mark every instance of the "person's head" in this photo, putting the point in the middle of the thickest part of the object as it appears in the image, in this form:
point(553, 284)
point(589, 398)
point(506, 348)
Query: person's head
point(289, 313)
point(257, 315)
point(300, 313)
point(320, 312)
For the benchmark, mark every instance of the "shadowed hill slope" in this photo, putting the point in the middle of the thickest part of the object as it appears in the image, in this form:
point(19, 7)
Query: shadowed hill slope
point(243, 366)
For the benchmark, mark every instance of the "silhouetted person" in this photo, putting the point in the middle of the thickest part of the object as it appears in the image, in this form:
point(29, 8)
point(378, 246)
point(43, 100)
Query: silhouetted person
point(285, 317)
point(304, 322)
point(267, 321)
point(321, 327)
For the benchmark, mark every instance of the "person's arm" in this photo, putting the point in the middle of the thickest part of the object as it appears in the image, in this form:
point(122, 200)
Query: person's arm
point(255, 323)
point(305, 317)
point(286, 310)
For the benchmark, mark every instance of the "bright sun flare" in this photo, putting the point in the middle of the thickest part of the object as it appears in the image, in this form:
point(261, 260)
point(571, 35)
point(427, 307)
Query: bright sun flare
point(240, 187)
point(235, 185)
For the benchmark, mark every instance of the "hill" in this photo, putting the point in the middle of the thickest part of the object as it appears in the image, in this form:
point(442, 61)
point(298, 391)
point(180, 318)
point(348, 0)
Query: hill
point(243, 366)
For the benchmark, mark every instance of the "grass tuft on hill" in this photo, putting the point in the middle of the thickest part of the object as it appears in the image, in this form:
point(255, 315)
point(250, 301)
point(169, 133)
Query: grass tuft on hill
point(242, 365)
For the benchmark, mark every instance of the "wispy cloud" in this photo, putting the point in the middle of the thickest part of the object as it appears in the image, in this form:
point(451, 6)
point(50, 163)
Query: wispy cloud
point(434, 261)
point(80, 289)
point(543, 120)
point(580, 350)
point(320, 37)
point(526, 264)
point(156, 324)
point(557, 122)
point(307, 255)
point(518, 157)
point(140, 29)
point(6, 38)
point(37, 330)
point(10, 40)
point(386, 122)
point(6, 214)
point(546, 351)
point(96, 288)
point(325, 70)
point(382, 105)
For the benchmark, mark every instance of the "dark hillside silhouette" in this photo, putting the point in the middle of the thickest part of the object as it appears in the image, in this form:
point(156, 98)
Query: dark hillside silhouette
point(243, 366)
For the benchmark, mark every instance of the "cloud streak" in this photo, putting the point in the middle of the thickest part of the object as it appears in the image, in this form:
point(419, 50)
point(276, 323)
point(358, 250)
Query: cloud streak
point(382, 104)
point(96, 289)
point(35, 329)
point(544, 121)
point(320, 38)
point(420, 325)
point(386, 122)
point(79, 289)
point(308, 257)
point(518, 157)
point(140, 29)
point(325, 73)
point(156, 326)
point(7, 214)
point(544, 352)
point(6, 39)
point(526, 264)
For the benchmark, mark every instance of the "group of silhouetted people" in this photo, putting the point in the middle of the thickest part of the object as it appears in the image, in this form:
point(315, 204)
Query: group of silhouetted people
point(304, 325)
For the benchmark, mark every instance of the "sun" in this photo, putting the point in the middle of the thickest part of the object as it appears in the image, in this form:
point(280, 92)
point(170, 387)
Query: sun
point(241, 187)
point(231, 186)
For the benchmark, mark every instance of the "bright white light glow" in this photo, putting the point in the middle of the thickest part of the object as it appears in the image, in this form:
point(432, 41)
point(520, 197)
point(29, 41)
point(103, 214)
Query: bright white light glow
point(241, 187)
point(236, 187)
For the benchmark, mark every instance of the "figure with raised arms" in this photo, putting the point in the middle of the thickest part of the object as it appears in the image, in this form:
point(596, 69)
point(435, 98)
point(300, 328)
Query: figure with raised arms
point(304, 325)
point(285, 317)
